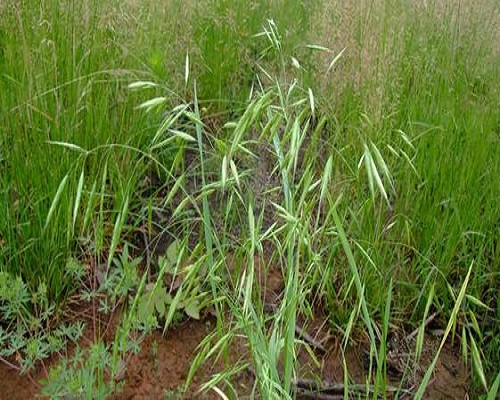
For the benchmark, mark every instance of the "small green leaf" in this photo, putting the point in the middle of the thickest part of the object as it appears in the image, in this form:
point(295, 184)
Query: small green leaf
point(145, 308)
point(192, 308)
point(317, 47)
point(182, 135)
point(465, 348)
point(77, 200)
point(296, 63)
point(492, 394)
point(150, 104)
point(70, 146)
point(476, 358)
point(325, 180)
point(476, 301)
point(186, 70)
point(53, 206)
point(162, 299)
point(234, 170)
point(224, 172)
point(160, 306)
point(141, 85)
point(311, 100)
point(336, 58)
point(173, 252)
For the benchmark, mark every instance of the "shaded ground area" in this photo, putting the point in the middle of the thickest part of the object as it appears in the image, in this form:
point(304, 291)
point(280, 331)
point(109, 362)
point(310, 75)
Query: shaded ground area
point(161, 368)
point(450, 379)
point(15, 386)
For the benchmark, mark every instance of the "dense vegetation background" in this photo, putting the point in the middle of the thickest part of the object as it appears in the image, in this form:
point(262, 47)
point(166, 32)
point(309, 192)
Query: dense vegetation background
point(153, 153)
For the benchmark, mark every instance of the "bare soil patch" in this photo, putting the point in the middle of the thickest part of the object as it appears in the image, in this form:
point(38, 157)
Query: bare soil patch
point(160, 370)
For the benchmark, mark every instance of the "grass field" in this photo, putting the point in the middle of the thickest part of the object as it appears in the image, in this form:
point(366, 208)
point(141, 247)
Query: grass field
point(162, 161)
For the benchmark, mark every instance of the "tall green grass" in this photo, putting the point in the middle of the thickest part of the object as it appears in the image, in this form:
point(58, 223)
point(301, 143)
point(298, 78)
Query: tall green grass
point(58, 86)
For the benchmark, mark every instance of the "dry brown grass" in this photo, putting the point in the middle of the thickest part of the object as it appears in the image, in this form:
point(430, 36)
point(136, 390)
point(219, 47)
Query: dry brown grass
point(360, 26)
point(372, 32)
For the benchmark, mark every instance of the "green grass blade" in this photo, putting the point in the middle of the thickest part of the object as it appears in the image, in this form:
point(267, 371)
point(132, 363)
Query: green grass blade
point(355, 273)
point(55, 201)
point(493, 392)
point(427, 377)
point(77, 199)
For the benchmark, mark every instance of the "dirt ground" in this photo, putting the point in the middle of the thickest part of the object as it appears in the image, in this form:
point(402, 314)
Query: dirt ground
point(160, 370)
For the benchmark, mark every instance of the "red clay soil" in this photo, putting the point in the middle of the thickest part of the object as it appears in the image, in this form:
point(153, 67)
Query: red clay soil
point(159, 371)
point(15, 386)
point(161, 368)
